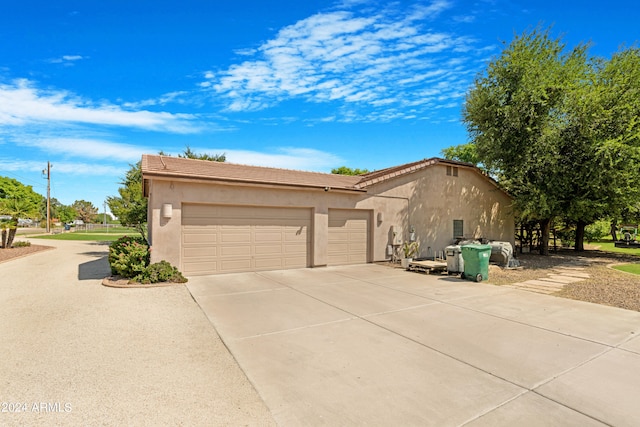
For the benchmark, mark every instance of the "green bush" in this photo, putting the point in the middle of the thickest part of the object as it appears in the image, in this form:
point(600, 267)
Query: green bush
point(129, 256)
point(21, 244)
point(567, 236)
point(160, 272)
point(597, 230)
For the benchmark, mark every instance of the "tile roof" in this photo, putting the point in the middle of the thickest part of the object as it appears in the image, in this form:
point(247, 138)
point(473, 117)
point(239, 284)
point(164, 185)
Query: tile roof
point(395, 171)
point(180, 168)
point(176, 167)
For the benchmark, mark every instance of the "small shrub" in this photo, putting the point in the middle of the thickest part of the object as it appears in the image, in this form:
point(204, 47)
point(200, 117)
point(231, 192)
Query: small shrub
point(596, 231)
point(160, 272)
point(21, 244)
point(129, 256)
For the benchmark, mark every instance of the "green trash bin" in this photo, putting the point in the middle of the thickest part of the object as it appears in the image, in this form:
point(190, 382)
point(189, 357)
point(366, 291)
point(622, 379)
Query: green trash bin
point(476, 262)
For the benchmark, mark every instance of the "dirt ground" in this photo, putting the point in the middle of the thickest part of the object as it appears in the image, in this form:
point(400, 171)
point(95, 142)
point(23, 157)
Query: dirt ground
point(11, 253)
point(605, 286)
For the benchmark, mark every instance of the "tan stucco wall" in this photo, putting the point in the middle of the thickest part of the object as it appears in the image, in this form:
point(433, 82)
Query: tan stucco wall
point(428, 200)
point(436, 199)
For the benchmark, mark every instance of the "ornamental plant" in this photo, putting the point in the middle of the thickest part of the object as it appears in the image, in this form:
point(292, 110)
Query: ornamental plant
point(410, 249)
point(129, 256)
point(160, 272)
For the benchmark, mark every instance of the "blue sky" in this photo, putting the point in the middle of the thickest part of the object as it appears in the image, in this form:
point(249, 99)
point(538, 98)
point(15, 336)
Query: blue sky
point(310, 85)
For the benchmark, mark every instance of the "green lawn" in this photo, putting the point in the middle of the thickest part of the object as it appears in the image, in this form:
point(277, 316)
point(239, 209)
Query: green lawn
point(608, 246)
point(91, 235)
point(629, 268)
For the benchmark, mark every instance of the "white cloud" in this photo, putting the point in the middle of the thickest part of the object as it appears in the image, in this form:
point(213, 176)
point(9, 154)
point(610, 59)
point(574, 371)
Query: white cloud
point(283, 157)
point(369, 60)
point(86, 148)
point(66, 59)
point(67, 168)
point(177, 97)
point(430, 11)
point(72, 57)
point(21, 104)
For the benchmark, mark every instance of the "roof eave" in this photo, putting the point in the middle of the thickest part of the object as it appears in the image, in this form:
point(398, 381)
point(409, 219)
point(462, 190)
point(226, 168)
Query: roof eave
point(223, 181)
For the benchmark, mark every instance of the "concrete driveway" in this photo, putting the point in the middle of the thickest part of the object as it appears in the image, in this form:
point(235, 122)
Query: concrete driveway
point(76, 353)
point(372, 345)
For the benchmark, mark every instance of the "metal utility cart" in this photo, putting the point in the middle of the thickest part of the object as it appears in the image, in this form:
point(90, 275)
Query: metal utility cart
point(455, 262)
point(628, 236)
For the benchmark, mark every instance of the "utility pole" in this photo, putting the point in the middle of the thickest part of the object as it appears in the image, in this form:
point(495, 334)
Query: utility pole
point(48, 172)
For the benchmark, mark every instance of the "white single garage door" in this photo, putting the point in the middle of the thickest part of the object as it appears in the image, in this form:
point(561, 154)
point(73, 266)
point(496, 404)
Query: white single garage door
point(225, 239)
point(348, 236)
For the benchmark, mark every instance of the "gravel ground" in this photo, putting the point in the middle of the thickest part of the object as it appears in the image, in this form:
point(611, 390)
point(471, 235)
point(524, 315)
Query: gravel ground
point(12, 253)
point(605, 286)
point(79, 353)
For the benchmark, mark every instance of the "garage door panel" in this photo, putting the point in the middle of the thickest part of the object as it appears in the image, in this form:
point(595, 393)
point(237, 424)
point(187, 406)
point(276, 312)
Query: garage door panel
point(195, 223)
point(235, 236)
point(235, 250)
point(339, 238)
point(292, 248)
point(240, 238)
point(339, 247)
point(201, 252)
point(269, 264)
point(267, 236)
point(293, 262)
point(295, 235)
point(202, 238)
point(200, 267)
point(348, 236)
point(270, 250)
point(235, 264)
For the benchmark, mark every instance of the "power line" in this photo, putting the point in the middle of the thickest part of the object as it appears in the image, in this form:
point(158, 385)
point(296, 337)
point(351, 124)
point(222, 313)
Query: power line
point(22, 179)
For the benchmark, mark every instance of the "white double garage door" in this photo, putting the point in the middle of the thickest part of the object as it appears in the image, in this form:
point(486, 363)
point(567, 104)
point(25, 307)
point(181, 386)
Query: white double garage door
point(224, 239)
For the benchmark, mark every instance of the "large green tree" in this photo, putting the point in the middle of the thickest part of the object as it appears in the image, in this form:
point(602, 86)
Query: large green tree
point(60, 211)
point(600, 143)
point(131, 207)
point(462, 153)
point(513, 114)
point(559, 130)
point(17, 201)
point(85, 210)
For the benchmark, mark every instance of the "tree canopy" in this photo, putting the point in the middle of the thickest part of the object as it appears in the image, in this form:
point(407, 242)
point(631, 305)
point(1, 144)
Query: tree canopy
point(18, 201)
point(85, 211)
point(131, 207)
point(344, 170)
point(189, 154)
point(463, 153)
point(558, 129)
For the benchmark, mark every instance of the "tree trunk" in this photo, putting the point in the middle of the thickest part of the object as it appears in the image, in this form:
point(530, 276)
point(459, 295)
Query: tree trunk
point(579, 246)
point(545, 226)
point(4, 238)
point(11, 236)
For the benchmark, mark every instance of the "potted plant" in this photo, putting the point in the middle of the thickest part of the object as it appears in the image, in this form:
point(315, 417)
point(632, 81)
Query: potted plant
point(409, 249)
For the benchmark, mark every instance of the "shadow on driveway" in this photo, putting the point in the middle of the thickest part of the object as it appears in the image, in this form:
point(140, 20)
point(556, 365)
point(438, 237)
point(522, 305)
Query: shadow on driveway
point(96, 269)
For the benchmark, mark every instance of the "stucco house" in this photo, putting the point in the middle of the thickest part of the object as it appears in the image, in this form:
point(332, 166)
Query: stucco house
point(210, 217)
